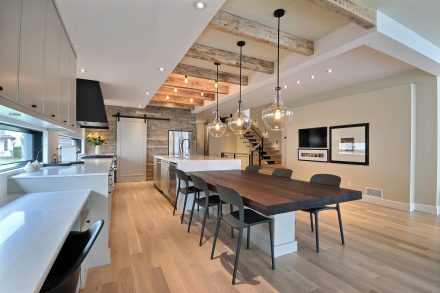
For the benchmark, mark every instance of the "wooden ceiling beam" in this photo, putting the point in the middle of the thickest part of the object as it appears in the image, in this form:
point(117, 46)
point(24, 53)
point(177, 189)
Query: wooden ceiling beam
point(243, 27)
point(206, 53)
point(199, 72)
point(195, 85)
point(179, 100)
point(185, 93)
point(354, 10)
point(171, 105)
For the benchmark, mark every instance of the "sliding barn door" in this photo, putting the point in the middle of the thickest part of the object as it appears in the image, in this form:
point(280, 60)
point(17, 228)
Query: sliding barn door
point(131, 150)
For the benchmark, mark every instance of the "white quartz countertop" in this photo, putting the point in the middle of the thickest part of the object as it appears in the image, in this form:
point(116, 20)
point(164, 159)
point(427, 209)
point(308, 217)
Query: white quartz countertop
point(192, 158)
point(90, 167)
point(33, 229)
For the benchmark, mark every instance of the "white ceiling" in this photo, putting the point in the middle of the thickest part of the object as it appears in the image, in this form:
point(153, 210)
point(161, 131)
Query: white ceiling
point(122, 43)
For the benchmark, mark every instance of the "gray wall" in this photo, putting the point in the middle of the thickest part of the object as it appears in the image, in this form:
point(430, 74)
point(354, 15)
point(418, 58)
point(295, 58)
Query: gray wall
point(157, 133)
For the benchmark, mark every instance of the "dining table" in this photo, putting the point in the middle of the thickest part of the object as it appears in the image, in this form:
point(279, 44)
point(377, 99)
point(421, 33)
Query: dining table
point(278, 198)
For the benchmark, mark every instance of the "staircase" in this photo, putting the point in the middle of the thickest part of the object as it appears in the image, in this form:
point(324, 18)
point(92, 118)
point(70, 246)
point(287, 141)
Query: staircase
point(265, 153)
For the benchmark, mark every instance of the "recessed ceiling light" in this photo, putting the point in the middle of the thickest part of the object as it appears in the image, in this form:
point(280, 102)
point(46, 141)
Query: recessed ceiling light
point(312, 76)
point(285, 86)
point(147, 93)
point(201, 93)
point(161, 69)
point(191, 100)
point(186, 79)
point(298, 81)
point(200, 5)
point(329, 70)
point(168, 97)
point(139, 106)
point(175, 90)
point(83, 70)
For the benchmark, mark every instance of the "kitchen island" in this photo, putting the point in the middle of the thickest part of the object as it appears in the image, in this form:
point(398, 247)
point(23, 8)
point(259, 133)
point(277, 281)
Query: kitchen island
point(165, 177)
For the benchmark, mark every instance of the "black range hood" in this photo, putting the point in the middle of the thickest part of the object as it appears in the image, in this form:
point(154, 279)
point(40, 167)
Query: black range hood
point(90, 109)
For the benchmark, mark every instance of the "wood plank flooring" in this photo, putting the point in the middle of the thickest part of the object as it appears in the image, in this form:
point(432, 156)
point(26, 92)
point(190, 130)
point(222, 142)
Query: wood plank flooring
point(386, 251)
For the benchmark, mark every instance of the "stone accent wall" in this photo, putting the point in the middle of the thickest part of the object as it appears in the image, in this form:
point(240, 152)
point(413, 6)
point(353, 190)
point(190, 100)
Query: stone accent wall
point(157, 130)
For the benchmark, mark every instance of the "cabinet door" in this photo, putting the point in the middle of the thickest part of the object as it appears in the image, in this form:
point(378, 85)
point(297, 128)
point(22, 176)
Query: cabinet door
point(52, 62)
point(64, 77)
point(9, 41)
point(31, 68)
point(72, 89)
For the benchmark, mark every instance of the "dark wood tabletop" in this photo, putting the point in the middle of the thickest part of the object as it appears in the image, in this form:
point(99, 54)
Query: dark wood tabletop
point(272, 195)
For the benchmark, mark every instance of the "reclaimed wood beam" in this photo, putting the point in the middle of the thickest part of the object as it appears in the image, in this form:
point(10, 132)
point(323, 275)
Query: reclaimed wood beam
point(243, 27)
point(171, 105)
point(354, 10)
point(179, 100)
point(165, 90)
point(195, 85)
point(204, 73)
point(206, 53)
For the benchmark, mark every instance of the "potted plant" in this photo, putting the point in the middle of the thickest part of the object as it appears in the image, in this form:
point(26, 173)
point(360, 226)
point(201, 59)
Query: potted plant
point(96, 139)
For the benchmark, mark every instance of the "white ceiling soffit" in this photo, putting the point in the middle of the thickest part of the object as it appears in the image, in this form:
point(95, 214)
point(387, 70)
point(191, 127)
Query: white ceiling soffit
point(122, 43)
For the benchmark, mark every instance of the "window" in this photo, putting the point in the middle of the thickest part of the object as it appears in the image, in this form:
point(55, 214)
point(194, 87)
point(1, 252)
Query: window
point(18, 145)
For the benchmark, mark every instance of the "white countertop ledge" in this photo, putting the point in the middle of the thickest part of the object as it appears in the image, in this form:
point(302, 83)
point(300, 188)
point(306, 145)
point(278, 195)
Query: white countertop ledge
point(33, 229)
point(90, 167)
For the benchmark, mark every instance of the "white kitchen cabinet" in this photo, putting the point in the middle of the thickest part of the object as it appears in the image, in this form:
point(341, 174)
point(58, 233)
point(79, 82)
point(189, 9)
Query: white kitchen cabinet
point(10, 11)
point(64, 78)
point(31, 68)
point(72, 88)
point(52, 62)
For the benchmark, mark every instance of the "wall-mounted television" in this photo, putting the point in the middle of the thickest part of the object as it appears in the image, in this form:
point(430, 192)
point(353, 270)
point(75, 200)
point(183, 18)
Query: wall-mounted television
point(312, 137)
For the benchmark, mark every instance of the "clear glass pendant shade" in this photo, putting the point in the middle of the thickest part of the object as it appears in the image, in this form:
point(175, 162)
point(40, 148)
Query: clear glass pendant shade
point(277, 117)
point(217, 128)
point(239, 123)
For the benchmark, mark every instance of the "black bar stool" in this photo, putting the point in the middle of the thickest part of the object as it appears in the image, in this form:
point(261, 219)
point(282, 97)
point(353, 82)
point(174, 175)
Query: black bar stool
point(240, 219)
point(64, 274)
point(253, 168)
point(332, 180)
point(185, 190)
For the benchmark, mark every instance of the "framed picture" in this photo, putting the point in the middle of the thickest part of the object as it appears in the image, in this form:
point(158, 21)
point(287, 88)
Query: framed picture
point(349, 144)
point(315, 155)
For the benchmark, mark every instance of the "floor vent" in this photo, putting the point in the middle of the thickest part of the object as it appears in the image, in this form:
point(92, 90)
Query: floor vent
point(374, 192)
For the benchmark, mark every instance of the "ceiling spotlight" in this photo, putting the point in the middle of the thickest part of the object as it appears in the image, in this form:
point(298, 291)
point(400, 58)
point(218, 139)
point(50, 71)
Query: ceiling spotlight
point(147, 93)
point(161, 69)
point(191, 100)
point(83, 70)
point(139, 106)
point(285, 86)
point(186, 79)
point(298, 81)
point(216, 84)
point(200, 5)
point(202, 94)
point(329, 70)
point(168, 97)
point(175, 90)
point(312, 76)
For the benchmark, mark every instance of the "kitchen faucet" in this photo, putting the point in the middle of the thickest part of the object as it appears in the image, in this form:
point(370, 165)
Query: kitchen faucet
point(181, 146)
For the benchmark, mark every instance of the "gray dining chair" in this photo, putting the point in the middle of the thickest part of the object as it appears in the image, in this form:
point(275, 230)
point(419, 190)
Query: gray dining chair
point(253, 168)
point(240, 219)
point(282, 172)
point(331, 180)
point(184, 189)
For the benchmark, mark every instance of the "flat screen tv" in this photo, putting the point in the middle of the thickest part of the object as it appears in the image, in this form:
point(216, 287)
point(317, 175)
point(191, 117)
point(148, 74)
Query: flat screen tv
point(313, 137)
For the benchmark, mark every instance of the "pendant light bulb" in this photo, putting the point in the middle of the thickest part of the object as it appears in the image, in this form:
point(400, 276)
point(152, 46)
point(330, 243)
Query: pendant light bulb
point(277, 117)
point(239, 123)
point(217, 128)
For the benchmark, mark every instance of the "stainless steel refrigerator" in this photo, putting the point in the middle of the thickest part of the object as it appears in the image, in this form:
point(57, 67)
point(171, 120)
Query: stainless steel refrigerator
point(175, 139)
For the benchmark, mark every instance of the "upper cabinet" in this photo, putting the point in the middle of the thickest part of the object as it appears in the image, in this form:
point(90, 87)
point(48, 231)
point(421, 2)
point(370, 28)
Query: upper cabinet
point(10, 11)
point(37, 62)
point(31, 68)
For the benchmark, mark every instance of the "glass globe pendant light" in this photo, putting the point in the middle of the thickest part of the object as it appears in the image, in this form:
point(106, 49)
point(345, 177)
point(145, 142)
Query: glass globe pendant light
point(277, 117)
point(217, 128)
point(239, 123)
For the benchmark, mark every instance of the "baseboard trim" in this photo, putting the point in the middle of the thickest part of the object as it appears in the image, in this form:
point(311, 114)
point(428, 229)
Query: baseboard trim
point(427, 208)
point(388, 203)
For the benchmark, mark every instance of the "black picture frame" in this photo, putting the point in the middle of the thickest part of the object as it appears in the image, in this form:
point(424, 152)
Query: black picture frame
point(351, 143)
point(312, 159)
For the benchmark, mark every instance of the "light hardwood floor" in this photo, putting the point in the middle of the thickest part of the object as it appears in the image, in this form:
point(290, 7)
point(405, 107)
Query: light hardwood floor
point(386, 251)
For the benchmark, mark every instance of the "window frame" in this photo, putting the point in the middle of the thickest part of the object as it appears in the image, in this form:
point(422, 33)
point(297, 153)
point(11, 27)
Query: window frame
point(37, 146)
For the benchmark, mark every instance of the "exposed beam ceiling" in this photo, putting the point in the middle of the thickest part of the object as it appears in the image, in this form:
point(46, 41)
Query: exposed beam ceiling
point(179, 100)
point(352, 9)
point(206, 53)
point(171, 105)
point(247, 28)
point(194, 71)
point(185, 93)
point(195, 85)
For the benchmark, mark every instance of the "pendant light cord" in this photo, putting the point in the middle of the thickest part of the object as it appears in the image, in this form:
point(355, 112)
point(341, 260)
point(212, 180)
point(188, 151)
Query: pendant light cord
point(239, 102)
point(278, 64)
point(217, 91)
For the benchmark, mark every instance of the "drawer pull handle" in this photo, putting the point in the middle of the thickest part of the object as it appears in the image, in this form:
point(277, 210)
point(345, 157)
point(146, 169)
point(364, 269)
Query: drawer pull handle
point(53, 115)
point(34, 106)
point(1, 88)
